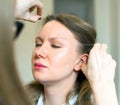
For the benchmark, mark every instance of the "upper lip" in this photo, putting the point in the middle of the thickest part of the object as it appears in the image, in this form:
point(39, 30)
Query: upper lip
point(39, 64)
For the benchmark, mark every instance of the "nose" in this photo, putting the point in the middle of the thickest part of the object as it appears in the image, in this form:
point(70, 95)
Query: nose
point(41, 52)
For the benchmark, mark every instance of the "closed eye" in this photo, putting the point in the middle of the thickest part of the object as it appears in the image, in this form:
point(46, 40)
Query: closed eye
point(56, 46)
point(38, 45)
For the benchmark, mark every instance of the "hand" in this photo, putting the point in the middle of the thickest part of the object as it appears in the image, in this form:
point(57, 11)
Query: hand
point(25, 7)
point(100, 67)
point(100, 72)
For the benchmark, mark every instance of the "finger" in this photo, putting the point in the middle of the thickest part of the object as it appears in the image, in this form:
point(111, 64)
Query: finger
point(103, 48)
point(94, 53)
point(34, 18)
point(96, 47)
point(112, 64)
point(95, 50)
point(99, 50)
point(31, 9)
point(109, 60)
point(39, 7)
point(31, 18)
point(39, 11)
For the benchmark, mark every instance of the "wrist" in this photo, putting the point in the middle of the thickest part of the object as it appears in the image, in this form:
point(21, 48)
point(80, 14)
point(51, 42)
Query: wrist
point(100, 85)
point(104, 93)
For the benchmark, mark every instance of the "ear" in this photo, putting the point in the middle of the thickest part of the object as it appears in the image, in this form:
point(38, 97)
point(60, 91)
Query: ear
point(81, 60)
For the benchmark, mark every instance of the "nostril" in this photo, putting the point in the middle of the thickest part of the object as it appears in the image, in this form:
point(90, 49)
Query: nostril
point(40, 54)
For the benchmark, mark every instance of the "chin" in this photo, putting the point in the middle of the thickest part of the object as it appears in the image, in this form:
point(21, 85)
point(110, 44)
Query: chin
point(39, 78)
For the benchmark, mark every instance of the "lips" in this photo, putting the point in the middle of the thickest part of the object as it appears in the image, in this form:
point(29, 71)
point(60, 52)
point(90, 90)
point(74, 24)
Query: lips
point(39, 66)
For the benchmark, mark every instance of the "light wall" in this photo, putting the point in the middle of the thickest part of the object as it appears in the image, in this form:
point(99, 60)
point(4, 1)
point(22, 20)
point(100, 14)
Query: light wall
point(107, 23)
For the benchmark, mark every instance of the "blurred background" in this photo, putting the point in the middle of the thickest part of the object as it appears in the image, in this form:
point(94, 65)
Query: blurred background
point(103, 15)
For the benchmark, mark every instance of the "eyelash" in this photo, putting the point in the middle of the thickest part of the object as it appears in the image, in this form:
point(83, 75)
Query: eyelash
point(37, 45)
point(55, 46)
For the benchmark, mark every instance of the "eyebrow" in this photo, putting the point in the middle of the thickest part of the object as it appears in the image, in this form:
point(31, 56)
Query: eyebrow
point(51, 38)
point(38, 38)
point(56, 38)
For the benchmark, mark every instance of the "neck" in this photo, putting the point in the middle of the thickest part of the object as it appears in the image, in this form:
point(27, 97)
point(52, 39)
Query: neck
point(56, 92)
point(54, 99)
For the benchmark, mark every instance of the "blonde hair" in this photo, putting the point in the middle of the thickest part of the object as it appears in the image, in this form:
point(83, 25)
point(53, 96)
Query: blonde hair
point(11, 89)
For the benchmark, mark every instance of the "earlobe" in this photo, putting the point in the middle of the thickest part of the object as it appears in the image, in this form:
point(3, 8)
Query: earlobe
point(82, 59)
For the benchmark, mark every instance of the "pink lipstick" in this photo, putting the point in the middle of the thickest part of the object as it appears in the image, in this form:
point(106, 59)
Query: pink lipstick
point(39, 66)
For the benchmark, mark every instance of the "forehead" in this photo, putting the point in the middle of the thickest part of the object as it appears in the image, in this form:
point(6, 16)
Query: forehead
point(55, 29)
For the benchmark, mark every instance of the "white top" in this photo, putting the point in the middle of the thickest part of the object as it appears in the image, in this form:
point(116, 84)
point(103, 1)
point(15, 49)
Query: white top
point(71, 101)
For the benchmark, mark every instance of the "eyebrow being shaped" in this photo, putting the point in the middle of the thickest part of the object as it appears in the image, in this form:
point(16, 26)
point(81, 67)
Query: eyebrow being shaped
point(51, 38)
point(38, 38)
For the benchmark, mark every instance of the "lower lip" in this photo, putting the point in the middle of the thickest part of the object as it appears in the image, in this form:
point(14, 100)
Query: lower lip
point(39, 67)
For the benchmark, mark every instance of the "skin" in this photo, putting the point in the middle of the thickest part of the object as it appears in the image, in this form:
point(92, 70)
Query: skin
point(25, 7)
point(100, 71)
point(56, 48)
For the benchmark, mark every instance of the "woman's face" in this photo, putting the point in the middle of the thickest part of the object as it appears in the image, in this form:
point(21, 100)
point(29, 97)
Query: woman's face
point(55, 55)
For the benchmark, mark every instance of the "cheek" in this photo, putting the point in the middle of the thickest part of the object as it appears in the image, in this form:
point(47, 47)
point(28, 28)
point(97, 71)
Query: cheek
point(62, 66)
point(60, 55)
point(64, 58)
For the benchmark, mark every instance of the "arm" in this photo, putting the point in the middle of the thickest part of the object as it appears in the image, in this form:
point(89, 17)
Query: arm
point(25, 7)
point(100, 72)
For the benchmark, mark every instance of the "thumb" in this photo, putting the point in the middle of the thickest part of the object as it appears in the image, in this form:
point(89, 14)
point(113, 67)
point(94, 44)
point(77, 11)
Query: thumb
point(32, 18)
